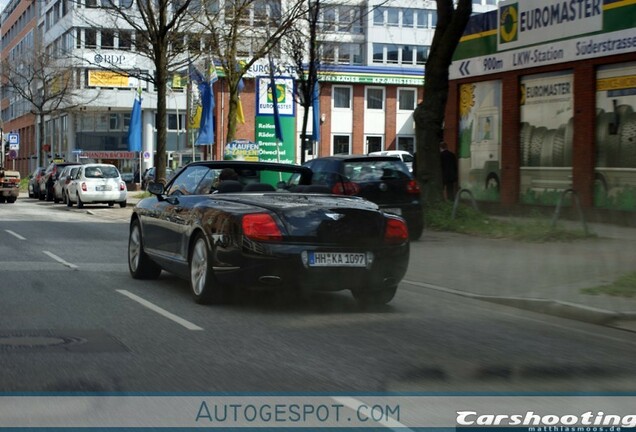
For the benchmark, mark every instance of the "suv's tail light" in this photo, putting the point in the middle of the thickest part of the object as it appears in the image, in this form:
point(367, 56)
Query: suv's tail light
point(345, 188)
point(84, 188)
point(412, 187)
point(122, 186)
point(261, 227)
point(395, 230)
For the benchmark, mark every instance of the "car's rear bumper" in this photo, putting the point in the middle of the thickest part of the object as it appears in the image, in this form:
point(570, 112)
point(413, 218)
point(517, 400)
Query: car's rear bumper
point(284, 268)
point(103, 197)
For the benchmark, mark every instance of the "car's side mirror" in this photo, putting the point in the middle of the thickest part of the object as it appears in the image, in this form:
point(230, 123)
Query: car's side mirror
point(156, 188)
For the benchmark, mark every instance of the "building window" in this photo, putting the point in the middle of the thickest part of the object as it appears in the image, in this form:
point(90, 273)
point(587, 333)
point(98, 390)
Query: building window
point(406, 99)
point(421, 54)
point(407, 55)
point(378, 53)
point(378, 16)
point(91, 38)
point(115, 122)
point(125, 40)
point(374, 144)
point(393, 17)
point(108, 39)
point(375, 98)
point(329, 18)
point(342, 97)
point(91, 3)
point(392, 54)
point(341, 144)
point(406, 143)
point(407, 18)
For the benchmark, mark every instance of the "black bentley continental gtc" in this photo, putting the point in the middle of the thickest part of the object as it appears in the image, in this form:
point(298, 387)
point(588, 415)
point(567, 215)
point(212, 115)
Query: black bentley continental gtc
point(227, 225)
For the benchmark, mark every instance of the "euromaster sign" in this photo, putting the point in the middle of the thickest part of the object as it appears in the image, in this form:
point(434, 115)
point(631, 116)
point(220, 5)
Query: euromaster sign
point(531, 33)
point(528, 22)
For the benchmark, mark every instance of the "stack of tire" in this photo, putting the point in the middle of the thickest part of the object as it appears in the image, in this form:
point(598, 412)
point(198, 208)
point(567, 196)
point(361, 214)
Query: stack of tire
point(616, 138)
point(545, 147)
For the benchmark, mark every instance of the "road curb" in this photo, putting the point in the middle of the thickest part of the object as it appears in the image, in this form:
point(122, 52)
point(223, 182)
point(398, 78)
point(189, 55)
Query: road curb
point(558, 308)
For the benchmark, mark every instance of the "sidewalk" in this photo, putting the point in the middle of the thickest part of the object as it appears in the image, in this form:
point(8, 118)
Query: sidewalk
point(543, 277)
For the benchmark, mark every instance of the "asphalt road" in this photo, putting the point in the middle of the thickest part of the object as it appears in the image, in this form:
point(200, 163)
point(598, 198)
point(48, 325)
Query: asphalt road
point(72, 319)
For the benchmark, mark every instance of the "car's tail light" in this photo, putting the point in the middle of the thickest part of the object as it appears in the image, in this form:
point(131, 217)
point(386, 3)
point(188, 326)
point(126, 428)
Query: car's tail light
point(345, 188)
point(261, 227)
point(412, 187)
point(395, 231)
point(122, 186)
point(84, 188)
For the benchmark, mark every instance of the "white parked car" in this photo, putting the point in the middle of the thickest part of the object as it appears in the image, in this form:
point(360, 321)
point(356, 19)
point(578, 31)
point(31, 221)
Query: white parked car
point(97, 183)
point(405, 156)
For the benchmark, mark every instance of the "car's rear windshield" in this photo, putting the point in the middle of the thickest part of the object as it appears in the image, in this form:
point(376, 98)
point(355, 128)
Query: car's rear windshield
point(375, 170)
point(101, 172)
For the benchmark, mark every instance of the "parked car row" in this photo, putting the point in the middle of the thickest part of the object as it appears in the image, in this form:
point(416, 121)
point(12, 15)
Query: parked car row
point(80, 184)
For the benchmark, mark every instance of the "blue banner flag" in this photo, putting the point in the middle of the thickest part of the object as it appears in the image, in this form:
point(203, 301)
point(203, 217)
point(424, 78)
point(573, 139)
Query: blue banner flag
point(315, 104)
point(206, 128)
point(134, 129)
point(277, 126)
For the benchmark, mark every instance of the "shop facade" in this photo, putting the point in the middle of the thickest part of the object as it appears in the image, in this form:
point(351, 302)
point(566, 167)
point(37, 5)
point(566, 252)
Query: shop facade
point(542, 104)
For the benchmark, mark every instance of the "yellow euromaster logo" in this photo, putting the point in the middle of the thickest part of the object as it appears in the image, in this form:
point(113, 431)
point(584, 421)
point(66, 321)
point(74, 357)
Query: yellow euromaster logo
point(280, 94)
point(508, 23)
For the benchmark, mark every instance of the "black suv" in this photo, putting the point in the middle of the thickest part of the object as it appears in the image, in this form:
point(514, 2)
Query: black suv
point(48, 179)
point(384, 180)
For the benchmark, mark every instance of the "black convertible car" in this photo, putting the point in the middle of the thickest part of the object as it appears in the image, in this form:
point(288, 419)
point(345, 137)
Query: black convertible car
point(227, 225)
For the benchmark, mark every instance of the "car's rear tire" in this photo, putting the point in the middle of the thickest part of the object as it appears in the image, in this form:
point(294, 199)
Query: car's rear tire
point(56, 200)
point(415, 232)
point(80, 204)
point(2, 199)
point(204, 286)
point(11, 199)
point(122, 204)
point(49, 194)
point(69, 203)
point(371, 298)
point(139, 264)
point(110, 204)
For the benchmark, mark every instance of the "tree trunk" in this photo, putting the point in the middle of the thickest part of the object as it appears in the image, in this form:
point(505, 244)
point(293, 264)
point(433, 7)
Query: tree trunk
point(429, 114)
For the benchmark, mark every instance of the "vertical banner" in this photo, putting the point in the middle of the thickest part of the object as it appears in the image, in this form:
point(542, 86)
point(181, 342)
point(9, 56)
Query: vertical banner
point(546, 131)
point(615, 175)
point(479, 156)
point(272, 149)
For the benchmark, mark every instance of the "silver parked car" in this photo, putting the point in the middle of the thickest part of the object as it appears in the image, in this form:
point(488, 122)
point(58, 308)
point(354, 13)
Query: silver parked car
point(63, 180)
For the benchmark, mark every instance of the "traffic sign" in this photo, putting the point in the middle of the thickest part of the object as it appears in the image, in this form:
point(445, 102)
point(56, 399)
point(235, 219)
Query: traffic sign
point(13, 154)
point(14, 138)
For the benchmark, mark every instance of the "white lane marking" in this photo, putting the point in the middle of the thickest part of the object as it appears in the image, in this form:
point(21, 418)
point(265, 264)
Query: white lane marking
point(16, 235)
point(160, 311)
point(355, 405)
point(60, 260)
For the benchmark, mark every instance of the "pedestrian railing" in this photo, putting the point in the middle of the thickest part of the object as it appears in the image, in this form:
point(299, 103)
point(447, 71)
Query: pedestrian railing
point(577, 203)
point(458, 197)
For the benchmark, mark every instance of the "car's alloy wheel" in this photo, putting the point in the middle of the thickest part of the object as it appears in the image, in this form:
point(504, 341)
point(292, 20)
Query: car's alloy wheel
point(202, 282)
point(139, 264)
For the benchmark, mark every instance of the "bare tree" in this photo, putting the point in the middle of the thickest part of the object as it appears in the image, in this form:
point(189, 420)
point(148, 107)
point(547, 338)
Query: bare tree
point(46, 83)
point(248, 30)
point(163, 34)
point(429, 114)
point(304, 52)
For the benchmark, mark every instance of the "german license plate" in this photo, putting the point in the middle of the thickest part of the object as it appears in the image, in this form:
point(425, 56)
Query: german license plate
point(337, 259)
point(103, 188)
point(395, 211)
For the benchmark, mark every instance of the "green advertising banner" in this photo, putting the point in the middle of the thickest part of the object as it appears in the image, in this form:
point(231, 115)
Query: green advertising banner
point(269, 150)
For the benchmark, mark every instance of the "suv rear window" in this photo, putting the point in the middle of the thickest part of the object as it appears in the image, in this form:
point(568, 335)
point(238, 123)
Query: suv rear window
point(372, 170)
